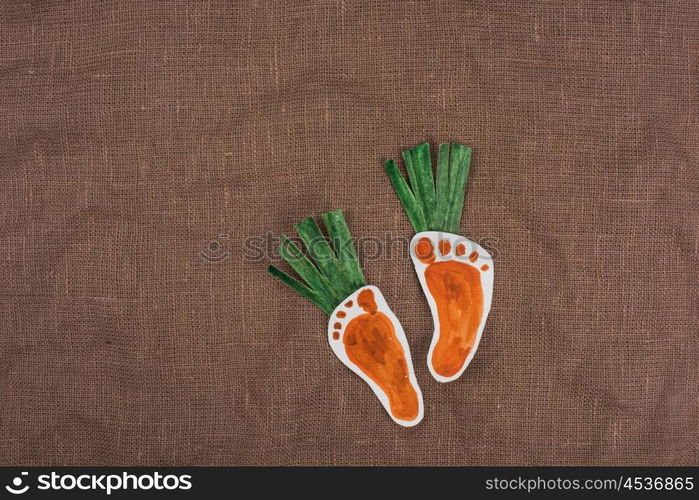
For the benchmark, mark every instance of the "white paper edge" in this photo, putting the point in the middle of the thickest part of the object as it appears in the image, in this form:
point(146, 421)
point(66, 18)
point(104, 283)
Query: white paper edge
point(338, 348)
point(487, 278)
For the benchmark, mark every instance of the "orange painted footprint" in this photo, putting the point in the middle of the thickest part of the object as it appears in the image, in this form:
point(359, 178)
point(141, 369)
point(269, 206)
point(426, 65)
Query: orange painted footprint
point(368, 338)
point(363, 331)
point(456, 275)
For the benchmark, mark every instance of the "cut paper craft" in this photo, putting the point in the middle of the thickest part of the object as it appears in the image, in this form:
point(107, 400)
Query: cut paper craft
point(455, 273)
point(363, 332)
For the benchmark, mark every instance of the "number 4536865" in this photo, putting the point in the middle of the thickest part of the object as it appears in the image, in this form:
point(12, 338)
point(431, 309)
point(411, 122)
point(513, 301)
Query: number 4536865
point(659, 483)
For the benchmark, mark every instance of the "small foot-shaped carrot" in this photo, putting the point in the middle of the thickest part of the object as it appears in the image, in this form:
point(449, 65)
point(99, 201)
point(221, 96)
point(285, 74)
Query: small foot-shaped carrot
point(456, 276)
point(368, 338)
point(363, 331)
point(455, 273)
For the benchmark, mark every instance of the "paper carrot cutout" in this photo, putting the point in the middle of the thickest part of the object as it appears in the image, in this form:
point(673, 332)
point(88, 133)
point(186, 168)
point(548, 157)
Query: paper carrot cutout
point(362, 331)
point(455, 273)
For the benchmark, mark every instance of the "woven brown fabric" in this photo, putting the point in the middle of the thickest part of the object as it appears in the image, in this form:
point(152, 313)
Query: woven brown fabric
point(135, 135)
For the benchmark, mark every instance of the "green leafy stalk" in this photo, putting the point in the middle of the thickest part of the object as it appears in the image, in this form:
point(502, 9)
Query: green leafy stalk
point(412, 207)
point(424, 182)
point(333, 274)
point(429, 204)
point(344, 248)
point(321, 252)
point(458, 170)
point(305, 269)
point(318, 299)
point(442, 195)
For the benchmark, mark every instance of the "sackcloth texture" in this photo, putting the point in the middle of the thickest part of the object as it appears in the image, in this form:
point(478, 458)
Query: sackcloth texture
point(143, 145)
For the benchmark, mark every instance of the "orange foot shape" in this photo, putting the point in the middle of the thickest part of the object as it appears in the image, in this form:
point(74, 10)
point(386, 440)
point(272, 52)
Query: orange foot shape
point(456, 275)
point(368, 338)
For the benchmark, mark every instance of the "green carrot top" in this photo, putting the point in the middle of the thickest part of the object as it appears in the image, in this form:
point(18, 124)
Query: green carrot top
point(332, 272)
point(430, 205)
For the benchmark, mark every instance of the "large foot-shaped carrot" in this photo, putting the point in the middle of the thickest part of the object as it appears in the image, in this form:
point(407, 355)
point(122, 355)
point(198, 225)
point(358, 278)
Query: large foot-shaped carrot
point(368, 338)
point(363, 331)
point(456, 276)
point(455, 273)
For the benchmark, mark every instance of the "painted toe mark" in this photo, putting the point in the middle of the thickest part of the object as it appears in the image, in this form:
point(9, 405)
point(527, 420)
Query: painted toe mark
point(349, 303)
point(341, 314)
point(485, 267)
point(425, 251)
point(473, 257)
point(444, 247)
point(337, 325)
point(366, 301)
point(460, 249)
point(336, 335)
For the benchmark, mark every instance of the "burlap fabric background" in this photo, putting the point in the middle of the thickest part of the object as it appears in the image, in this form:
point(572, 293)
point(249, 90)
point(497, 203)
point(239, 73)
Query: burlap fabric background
point(134, 134)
